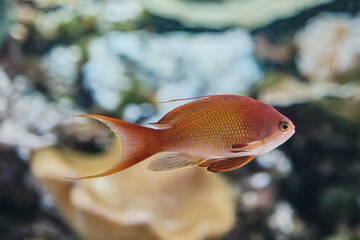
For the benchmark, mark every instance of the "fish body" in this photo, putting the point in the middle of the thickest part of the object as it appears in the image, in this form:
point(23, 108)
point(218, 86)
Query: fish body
point(220, 132)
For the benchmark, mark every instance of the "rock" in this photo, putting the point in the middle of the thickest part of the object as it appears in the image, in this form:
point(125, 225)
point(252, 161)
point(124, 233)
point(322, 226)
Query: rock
point(325, 152)
point(4, 21)
point(19, 199)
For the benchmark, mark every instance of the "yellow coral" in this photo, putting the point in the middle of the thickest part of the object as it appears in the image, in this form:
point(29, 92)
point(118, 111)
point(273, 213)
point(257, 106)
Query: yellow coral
point(137, 203)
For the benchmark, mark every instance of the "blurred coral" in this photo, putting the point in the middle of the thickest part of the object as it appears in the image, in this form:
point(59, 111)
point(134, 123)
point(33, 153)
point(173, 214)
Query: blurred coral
point(329, 45)
point(26, 117)
point(269, 51)
point(137, 203)
point(75, 18)
point(186, 64)
point(281, 89)
point(60, 66)
point(226, 13)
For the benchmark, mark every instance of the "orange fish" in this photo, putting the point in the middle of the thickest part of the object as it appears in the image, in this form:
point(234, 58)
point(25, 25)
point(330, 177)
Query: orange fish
point(220, 132)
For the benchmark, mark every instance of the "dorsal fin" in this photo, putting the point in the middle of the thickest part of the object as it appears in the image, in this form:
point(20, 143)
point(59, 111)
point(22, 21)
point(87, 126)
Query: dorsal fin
point(180, 112)
point(185, 99)
point(167, 120)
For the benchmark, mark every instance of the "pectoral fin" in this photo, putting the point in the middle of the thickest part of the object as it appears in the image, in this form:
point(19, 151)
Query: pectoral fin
point(226, 164)
point(172, 160)
point(245, 147)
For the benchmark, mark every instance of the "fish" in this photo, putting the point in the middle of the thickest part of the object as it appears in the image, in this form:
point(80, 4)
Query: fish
point(219, 132)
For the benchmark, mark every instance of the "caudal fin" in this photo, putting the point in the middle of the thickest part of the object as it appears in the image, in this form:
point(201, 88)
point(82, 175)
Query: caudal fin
point(136, 144)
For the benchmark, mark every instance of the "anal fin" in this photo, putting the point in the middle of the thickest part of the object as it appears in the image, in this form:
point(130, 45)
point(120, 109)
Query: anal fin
point(172, 160)
point(226, 164)
point(208, 162)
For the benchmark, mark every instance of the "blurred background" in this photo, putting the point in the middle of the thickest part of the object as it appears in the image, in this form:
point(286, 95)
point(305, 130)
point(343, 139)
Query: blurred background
point(117, 57)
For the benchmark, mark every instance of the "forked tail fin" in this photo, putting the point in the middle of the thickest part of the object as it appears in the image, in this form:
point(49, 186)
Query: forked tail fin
point(136, 144)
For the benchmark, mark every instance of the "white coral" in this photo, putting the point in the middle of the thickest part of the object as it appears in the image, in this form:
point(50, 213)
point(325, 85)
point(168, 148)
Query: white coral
point(329, 45)
point(26, 117)
point(175, 65)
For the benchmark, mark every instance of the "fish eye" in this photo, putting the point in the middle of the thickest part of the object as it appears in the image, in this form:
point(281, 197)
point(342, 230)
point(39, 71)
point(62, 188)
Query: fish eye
point(284, 126)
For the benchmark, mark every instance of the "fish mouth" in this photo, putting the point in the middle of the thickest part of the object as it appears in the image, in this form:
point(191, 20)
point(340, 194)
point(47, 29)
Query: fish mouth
point(293, 129)
point(290, 132)
point(276, 139)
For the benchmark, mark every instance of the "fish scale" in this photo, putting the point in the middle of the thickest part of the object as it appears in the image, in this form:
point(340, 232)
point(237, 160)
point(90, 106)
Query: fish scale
point(224, 128)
